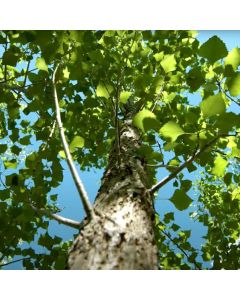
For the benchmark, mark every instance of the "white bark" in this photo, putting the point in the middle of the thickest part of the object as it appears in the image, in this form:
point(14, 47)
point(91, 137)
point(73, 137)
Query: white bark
point(122, 235)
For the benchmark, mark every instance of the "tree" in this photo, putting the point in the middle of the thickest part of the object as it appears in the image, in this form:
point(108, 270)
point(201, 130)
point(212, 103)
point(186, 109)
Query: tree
point(119, 100)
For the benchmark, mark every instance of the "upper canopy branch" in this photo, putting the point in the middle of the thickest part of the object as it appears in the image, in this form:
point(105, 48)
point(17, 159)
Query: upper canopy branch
point(196, 154)
point(78, 182)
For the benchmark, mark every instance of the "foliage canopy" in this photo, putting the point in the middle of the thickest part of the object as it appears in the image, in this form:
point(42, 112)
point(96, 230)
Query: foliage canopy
point(154, 77)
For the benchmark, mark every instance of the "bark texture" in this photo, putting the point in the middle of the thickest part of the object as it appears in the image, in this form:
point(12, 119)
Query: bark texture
point(122, 236)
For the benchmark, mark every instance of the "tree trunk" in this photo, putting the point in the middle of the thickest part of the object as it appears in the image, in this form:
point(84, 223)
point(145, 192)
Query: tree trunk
point(122, 236)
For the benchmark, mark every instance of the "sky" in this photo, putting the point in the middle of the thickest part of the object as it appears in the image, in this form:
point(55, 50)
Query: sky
point(69, 199)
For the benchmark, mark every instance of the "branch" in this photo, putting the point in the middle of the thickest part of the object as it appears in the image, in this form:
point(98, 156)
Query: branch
point(225, 93)
point(15, 77)
point(229, 97)
point(179, 247)
point(59, 219)
point(19, 88)
point(162, 166)
point(79, 185)
point(196, 154)
point(14, 261)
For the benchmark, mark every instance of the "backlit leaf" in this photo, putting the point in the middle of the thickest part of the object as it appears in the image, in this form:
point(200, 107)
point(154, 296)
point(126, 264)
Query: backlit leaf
point(41, 64)
point(233, 58)
point(169, 63)
point(124, 96)
point(213, 105)
point(234, 85)
point(220, 165)
point(77, 142)
point(104, 90)
point(171, 130)
point(145, 120)
point(10, 164)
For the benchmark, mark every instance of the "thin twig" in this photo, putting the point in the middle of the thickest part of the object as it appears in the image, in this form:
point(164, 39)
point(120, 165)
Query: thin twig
point(78, 182)
point(225, 93)
point(14, 261)
point(42, 211)
point(15, 77)
point(196, 153)
point(229, 97)
point(179, 247)
point(19, 88)
point(162, 166)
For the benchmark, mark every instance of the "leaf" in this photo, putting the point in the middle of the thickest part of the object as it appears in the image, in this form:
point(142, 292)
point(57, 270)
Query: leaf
point(195, 79)
point(3, 148)
point(213, 105)
point(158, 56)
point(169, 63)
point(66, 73)
point(10, 58)
point(41, 64)
point(124, 96)
point(234, 85)
point(104, 91)
point(62, 154)
point(77, 142)
point(168, 217)
point(220, 165)
point(233, 58)
point(181, 200)
point(10, 164)
point(171, 130)
point(186, 184)
point(145, 120)
point(213, 49)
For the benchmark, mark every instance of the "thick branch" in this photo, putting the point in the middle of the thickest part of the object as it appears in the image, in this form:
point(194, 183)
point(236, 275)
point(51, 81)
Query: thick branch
point(196, 154)
point(59, 219)
point(79, 185)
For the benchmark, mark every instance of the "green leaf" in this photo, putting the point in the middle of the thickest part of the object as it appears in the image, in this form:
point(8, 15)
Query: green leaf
point(10, 164)
point(213, 49)
point(104, 90)
point(41, 64)
point(220, 165)
point(145, 120)
point(11, 56)
point(168, 217)
point(171, 130)
point(3, 148)
point(186, 184)
point(213, 105)
point(158, 56)
point(233, 58)
point(124, 96)
point(66, 73)
point(77, 142)
point(181, 200)
point(234, 85)
point(62, 154)
point(195, 78)
point(169, 63)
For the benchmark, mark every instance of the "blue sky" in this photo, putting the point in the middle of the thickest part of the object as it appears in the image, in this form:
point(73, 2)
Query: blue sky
point(69, 200)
